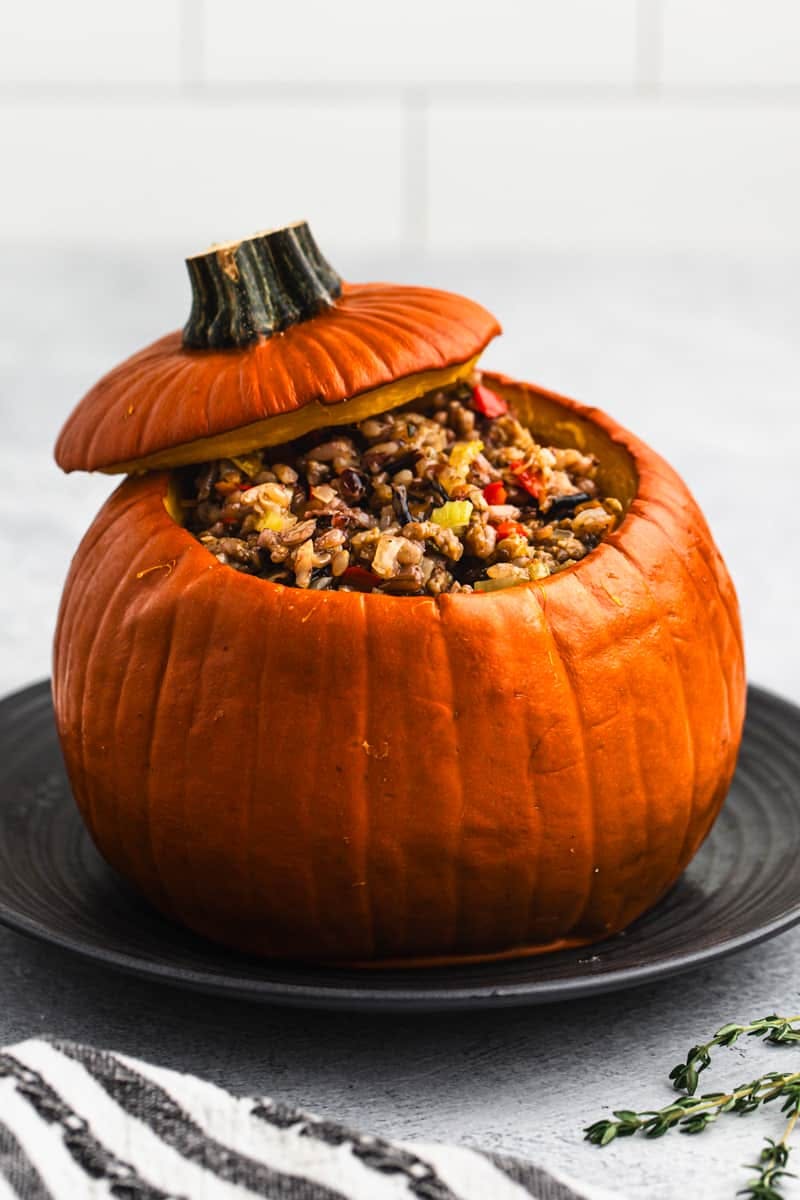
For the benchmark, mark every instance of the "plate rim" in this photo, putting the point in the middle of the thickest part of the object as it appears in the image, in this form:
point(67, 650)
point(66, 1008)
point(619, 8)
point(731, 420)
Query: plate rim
point(402, 997)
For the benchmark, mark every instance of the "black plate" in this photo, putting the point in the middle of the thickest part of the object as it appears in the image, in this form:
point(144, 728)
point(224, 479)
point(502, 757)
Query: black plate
point(743, 886)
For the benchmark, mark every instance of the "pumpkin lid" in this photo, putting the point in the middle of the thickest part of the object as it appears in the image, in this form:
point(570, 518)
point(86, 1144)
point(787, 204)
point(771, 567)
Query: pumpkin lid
point(276, 345)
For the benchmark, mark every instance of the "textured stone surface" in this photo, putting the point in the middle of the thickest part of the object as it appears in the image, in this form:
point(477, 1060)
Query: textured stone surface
point(701, 358)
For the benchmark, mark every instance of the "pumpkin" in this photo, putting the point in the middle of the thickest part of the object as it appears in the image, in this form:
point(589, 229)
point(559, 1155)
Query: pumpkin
point(340, 776)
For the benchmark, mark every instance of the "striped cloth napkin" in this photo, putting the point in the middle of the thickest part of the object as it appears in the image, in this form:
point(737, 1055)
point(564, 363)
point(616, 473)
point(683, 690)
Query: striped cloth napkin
point(77, 1122)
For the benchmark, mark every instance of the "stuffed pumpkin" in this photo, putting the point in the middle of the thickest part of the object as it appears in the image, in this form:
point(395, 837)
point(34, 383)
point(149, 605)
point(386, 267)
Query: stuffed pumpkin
point(376, 658)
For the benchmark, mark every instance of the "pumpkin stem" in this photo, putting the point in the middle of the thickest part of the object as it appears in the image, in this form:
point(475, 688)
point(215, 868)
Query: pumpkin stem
point(244, 291)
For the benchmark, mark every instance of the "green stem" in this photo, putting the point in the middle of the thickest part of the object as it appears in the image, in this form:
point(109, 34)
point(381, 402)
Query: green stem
point(778, 1030)
point(248, 290)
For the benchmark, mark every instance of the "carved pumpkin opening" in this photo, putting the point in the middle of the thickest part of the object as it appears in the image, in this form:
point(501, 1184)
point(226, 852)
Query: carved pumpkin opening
point(447, 493)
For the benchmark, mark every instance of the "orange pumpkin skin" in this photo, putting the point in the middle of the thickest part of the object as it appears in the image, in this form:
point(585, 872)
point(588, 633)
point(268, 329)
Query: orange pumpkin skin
point(166, 397)
point(331, 775)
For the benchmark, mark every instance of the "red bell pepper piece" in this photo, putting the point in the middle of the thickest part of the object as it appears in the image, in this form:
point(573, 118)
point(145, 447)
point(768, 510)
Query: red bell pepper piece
point(359, 578)
point(531, 481)
point(495, 493)
point(507, 528)
point(487, 402)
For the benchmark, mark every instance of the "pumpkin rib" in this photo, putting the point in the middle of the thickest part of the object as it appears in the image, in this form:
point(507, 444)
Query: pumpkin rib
point(518, 729)
point(537, 594)
point(154, 711)
point(323, 349)
point(373, 685)
point(534, 825)
point(455, 888)
point(187, 741)
point(625, 552)
point(383, 321)
point(215, 394)
point(119, 733)
point(94, 637)
point(531, 789)
point(116, 826)
point(392, 302)
point(258, 770)
point(307, 894)
point(631, 725)
point(167, 393)
point(447, 686)
point(164, 388)
point(733, 623)
point(363, 806)
point(702, 604)
point(369, 336)
point(108, 417)
point(65, 650)
point(731, 620)
point(723, 584)
point(327, 337)
point(81, 723)
point(729, 722)
point(304, 802)
point(568, 677)
point(216, 633)
point(632, 730)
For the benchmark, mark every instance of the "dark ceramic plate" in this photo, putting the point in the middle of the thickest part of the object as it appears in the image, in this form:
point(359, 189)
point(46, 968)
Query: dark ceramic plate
point(743, 886)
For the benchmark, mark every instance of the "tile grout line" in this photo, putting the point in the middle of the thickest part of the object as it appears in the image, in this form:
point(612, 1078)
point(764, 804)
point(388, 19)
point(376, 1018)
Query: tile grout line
point(464, 96)
point(649, 45)
point(192, 44)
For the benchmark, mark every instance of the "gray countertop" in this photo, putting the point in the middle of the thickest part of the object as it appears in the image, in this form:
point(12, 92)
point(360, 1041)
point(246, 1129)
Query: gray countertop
point(701, 357)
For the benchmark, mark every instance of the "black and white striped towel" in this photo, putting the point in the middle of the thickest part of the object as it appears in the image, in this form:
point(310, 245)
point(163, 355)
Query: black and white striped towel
point(77, 1122)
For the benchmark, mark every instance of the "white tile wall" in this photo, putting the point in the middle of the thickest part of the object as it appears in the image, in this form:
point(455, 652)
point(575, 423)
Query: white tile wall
point(90, 41)
point(429, 41)
point(596, 122)
point(666, 175)
point(197, 173)
point(731, 42)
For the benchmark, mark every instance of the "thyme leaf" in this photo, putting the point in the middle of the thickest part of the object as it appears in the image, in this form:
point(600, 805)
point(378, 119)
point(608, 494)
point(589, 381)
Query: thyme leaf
point(691, 1114)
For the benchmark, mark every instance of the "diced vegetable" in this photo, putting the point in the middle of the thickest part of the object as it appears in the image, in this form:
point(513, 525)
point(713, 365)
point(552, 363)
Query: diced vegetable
point(487, 402)
point(455, 515)
point(249, 465)
point(495, 585)
point(530, 480)
point(509, 529)
point(495, 493)
point(463, 455)
point(271, 520)
point(359, 578)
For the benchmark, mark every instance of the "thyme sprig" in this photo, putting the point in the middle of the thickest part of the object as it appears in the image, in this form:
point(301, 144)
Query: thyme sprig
point(693, 1114)
point(771, 1167)
point(780, 1031)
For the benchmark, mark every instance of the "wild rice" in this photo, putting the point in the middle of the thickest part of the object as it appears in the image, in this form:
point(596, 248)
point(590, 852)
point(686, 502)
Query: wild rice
point(455, 495)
